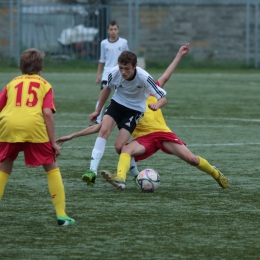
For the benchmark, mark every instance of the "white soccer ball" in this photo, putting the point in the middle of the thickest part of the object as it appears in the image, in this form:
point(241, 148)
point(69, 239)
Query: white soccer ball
point(148, 180)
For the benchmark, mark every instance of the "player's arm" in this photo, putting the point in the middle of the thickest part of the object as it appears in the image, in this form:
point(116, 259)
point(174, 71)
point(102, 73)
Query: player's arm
point(101, 62)
point(104, 94)
point(168, 72)
point(49, 122)
point(158, 92)
point(87, 131)
point(159, 104)
point(99, 71)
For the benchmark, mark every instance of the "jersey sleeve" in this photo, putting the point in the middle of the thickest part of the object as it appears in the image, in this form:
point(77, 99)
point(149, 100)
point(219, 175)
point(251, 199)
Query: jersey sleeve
point(102, 58)
point(126, 46)
point(48, 101)
point(154, 89)
point(110, 82)
point(3, 98)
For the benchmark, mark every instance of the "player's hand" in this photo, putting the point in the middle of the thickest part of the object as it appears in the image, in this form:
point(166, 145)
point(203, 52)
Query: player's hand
point(184, 49)
point(63, 139)
point(56, 149)
point(97, 80)
point(153, 106)
point(93, 116)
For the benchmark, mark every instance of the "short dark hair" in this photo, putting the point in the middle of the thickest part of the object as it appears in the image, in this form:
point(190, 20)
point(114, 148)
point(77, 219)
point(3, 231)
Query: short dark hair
point(112, 23)
point(31, 61)
point(127, 57)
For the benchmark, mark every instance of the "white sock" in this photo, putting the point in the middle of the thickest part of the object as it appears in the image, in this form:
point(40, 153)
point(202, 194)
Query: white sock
point(100, 115)
point(133, 168)
point(97, 154)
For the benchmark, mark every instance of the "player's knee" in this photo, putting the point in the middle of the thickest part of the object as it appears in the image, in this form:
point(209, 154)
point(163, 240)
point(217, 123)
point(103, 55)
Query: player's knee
point(125, 149)
point(118, 150)
point(118, 147)
point(104, 131)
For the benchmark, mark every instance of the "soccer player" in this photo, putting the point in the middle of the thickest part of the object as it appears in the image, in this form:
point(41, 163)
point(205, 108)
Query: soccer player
point(110, 49)
point(152, 134)
point(133, 86)
point(156, 124)
point(27, 124)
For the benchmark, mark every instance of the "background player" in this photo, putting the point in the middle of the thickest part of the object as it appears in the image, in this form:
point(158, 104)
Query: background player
point(27, 124)
point(110, 49)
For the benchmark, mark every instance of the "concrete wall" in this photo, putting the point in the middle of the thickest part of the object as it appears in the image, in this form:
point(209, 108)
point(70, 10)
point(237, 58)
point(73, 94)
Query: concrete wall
point(215, 32)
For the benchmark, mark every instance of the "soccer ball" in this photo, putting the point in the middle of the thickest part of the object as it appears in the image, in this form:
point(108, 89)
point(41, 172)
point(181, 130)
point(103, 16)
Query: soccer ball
point(148, 180)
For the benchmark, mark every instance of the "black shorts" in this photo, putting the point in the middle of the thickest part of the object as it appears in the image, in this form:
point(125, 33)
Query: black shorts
point(103, 84)
point(125, 117)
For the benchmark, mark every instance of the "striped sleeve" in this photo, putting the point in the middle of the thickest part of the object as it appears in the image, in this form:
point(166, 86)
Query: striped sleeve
point(155, 90)
point(109, 78)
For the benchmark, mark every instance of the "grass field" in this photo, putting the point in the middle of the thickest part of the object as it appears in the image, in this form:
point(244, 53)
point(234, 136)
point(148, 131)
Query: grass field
point(188, 217)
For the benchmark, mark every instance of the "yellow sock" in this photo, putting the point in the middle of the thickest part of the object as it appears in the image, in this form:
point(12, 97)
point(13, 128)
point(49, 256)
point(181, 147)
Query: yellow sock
point(57, 192)
point(3, 179)
point(208, 168)
point(123, 165)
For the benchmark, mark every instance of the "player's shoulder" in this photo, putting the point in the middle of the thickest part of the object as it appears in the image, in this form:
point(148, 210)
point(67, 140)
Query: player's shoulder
point(41, 80)
point(122, 39)
point(44, 81)
point(114, 70)
point(141, 72)
point(104, 42)
point(114, 75)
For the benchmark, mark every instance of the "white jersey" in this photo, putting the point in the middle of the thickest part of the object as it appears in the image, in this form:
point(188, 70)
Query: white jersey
point(109, 52)
point(133, 93)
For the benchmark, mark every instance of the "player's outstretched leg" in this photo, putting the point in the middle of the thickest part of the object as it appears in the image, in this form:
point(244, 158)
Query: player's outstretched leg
point(221, 179)
point(113, 179)
point(205, 166)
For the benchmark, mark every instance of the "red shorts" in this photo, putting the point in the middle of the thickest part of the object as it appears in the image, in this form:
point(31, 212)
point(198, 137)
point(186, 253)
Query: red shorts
point(35, 154)
point(153, 142)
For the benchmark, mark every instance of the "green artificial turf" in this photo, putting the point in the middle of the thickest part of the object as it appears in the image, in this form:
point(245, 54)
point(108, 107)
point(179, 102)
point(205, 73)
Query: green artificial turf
point(188, 217)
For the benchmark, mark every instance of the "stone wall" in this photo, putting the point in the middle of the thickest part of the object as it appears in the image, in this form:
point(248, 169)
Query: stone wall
point(215, 32)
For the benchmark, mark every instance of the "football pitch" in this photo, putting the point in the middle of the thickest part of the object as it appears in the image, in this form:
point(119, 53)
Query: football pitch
point(188, 217)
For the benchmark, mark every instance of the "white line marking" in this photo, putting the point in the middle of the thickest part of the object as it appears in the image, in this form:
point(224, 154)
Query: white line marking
point(199, 145)
point(185, 117)
point(217, 118)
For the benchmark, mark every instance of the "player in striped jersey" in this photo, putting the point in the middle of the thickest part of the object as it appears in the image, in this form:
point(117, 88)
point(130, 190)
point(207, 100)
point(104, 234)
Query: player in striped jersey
point(27, 124)
point(133, 86)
